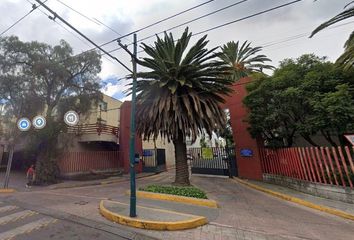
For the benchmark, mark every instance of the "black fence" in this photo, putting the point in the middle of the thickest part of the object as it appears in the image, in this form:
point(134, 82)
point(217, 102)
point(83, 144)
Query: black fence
point(213, 161)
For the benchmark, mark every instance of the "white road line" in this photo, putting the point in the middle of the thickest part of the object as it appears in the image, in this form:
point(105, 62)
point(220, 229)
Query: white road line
point(16, 216)
point(7, 208)
point(26, 228)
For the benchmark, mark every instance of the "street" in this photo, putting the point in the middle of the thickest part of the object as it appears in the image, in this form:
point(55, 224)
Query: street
point(244, 214)
point(19, 223)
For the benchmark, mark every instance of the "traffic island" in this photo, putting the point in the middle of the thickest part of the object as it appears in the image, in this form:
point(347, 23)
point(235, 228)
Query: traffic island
point(150, 218)
point(175, 198)
point(7, 190)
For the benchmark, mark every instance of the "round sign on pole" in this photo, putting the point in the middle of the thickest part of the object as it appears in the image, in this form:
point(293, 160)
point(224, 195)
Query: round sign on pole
point(23, 124)
point(71, 118)
point(39, 122)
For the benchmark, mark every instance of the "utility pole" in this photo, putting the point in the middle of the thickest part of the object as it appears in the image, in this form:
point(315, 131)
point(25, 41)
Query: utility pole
point(9, 164)
point(132, 128)
point(132, 120)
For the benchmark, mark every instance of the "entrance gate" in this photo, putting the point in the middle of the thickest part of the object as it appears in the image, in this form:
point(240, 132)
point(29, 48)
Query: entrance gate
point(213, 161)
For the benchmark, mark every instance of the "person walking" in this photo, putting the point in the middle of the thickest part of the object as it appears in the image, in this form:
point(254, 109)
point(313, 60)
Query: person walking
point(30, 176)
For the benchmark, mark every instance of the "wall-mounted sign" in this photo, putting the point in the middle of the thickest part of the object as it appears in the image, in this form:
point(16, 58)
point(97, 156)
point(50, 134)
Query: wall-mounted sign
point(207, 153)
point(350, 138)
point(246, 152)
point(148, 153)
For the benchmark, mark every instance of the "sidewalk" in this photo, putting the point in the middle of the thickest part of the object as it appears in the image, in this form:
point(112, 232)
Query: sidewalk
point(338, 205)
point(74, 184)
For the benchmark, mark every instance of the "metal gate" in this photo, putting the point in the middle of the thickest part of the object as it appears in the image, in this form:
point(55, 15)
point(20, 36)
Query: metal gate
point(213, 161)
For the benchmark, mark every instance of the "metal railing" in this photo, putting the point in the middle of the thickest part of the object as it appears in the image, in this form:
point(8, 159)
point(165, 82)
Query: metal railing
point(327, 165)
point(95, 128)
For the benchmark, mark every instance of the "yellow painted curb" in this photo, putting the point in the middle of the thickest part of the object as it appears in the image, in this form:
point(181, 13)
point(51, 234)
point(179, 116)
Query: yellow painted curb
point(298, 200)
point(175, 198)
point(7, 190)
point(153, 225)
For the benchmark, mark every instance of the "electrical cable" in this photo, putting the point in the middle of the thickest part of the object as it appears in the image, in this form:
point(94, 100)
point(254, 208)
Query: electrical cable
point(34, 7)
point(231, 22)
point(81, 34)
point(148, 26)
point(94, 20)
point(195, 19)
point(247, 17)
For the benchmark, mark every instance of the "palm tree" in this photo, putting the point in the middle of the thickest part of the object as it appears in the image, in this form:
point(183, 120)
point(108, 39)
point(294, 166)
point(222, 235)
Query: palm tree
point(243, 59)
point(180, 94)
point(347, 58)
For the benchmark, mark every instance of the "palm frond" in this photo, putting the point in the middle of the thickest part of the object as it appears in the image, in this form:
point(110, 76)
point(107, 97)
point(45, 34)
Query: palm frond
point(181, 91)
point(340, 17)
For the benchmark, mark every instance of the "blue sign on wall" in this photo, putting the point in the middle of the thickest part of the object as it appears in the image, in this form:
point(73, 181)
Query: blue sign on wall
point(148, 153)
point(245, 152)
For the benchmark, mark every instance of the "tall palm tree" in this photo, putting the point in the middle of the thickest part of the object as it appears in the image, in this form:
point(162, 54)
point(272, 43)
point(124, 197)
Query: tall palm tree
point(180, 94)
point(243, 59)
point(347, 58)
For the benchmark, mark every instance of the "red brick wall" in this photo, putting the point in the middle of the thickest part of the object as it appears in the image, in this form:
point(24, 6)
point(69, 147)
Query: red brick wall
point(248, 167)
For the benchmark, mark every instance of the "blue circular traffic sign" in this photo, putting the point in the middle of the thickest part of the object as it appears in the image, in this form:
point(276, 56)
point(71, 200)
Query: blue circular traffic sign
point(23, 124)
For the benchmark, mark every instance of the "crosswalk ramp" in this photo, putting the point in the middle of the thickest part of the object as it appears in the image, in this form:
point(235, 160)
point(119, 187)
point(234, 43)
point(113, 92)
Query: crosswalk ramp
point(18, 222)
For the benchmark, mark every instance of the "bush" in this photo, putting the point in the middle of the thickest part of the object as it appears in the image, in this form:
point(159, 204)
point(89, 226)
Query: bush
point(180, 191)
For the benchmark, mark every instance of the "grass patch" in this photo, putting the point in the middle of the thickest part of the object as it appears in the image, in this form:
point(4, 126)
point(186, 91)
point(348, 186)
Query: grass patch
point(174, 190)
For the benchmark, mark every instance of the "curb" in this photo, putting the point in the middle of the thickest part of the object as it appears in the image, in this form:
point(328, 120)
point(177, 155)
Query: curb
point(7, 190)
point(175, 198)
point(152, 225)
point(299, 201)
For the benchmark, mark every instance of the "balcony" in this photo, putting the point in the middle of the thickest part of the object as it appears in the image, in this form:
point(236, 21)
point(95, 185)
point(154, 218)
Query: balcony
point(96, 133)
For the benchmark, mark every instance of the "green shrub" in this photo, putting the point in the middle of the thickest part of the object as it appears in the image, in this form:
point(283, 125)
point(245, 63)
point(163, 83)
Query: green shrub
point(180, 191)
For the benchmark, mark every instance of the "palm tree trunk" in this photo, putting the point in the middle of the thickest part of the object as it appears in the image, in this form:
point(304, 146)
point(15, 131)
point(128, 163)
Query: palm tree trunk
point(182, 171)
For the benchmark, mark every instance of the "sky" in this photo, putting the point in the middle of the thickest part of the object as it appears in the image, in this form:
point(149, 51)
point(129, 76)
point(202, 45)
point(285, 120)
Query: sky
point(283, 33)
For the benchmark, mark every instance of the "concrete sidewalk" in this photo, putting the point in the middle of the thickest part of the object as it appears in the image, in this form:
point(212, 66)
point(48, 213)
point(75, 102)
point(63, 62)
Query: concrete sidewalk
point(18, 181)
point(338, 205)
point(110, 180)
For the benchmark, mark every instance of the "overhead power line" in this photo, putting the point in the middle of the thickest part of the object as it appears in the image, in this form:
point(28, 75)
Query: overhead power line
point(185, 23)
point(93, 20)
point(148, 26)
point(231, 22)
point(55, 15)
point(34, 7)
point(247, 17)
point(160, 21)
point(195, 19)
point(74, 10)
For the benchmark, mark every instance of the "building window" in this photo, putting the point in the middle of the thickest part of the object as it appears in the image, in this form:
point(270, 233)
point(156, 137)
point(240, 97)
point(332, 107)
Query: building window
point(103, 106)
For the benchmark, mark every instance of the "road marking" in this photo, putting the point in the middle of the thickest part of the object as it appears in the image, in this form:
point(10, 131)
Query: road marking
point(7, 208)
point(16, 216)
point(27, 228)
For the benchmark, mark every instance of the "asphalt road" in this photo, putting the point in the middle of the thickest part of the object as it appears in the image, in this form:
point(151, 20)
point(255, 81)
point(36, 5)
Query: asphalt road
point(244, 214)
point(24, 224)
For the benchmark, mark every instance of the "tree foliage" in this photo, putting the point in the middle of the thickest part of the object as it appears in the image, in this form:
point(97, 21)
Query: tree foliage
point(39, 79)
point(304, 97)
